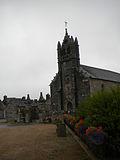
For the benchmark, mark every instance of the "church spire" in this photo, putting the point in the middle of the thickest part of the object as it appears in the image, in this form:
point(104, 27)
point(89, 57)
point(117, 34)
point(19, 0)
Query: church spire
point(68, 51)
point(66, 33)
point(76, 41)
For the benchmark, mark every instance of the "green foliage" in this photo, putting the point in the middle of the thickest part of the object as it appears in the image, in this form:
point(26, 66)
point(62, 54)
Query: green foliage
point(103, 108)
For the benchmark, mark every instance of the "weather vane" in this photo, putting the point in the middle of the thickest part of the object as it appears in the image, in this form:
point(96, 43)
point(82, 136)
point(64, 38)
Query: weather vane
point(66, 23)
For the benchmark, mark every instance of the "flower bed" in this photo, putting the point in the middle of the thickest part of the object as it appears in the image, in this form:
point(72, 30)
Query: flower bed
point(95, 137)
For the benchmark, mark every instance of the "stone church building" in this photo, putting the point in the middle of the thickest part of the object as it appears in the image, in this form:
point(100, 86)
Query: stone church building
point(75, 81)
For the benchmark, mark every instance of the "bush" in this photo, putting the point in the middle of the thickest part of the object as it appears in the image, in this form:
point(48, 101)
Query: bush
point(82, 129)
point(97, 137)
point(103, 109)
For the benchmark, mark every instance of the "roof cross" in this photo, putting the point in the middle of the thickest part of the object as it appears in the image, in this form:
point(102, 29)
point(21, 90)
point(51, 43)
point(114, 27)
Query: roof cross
point(66, 23)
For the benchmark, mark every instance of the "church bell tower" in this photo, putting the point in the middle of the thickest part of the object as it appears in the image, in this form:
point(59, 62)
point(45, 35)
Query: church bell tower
point(68, 66)
point(68, 52)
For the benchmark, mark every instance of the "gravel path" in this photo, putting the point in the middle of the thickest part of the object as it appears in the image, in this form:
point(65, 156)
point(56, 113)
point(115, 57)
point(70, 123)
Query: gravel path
point(38, 142)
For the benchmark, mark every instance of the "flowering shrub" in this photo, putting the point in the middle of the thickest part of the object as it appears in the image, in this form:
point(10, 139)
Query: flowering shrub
point(97, 137)
point(103, 108)
point(78, 125)
point(70, 120)
point(76, 131)
point(99, 128)
point(90, 129)
point(76, 128)
point(82, 129)
point(95, 134)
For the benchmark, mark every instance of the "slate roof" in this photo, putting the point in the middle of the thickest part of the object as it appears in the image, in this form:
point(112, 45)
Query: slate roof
point(101, 73)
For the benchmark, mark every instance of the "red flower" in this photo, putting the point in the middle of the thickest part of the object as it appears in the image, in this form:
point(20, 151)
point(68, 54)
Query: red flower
point(80, 120)
point(77, 131)
point(100, 127)
point(76, 125)
point(86, 132)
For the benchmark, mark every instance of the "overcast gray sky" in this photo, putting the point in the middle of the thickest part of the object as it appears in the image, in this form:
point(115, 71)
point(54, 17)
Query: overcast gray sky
point(30, 30)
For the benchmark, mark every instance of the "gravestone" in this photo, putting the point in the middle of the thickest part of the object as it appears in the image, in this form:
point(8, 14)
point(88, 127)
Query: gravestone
point(61, 130)
point(18, 118)
point(27, 118)
point(41, 117)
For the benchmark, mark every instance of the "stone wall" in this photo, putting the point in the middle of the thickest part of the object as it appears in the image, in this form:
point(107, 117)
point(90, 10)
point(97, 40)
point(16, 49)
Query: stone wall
point(97, 84)
point(68, 88)
point(11, 112)
point(55, 89)
point(83, 86)
point(2, 110)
